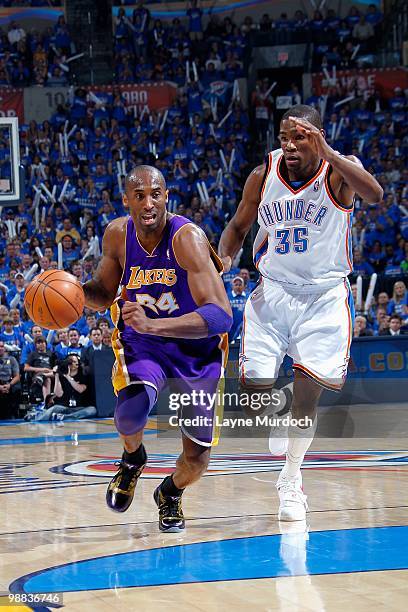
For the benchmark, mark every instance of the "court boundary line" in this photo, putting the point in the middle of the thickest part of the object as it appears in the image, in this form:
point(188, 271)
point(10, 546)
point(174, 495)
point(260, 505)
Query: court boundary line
point(210, 518)
point(60, 486)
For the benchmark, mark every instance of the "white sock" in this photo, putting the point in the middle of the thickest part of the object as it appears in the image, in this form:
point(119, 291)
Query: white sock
point(299, 441)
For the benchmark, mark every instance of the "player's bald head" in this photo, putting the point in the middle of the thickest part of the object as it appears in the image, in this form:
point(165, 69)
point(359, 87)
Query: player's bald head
point(142, 175)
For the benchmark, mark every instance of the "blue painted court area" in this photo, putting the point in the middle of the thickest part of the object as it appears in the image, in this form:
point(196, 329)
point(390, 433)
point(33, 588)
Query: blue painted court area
point(272, 556)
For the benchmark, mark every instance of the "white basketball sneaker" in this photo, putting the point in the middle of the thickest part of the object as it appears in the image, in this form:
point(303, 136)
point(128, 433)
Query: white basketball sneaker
point(278, 436)
point(293, 505)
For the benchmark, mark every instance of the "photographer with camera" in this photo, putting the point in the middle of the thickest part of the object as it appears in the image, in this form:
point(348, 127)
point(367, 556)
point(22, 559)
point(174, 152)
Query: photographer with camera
point(9, 384)
point(39, 366)
point(69, 392)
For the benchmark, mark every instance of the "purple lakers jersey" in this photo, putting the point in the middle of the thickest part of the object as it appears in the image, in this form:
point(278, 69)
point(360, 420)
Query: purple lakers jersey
point(157, 282)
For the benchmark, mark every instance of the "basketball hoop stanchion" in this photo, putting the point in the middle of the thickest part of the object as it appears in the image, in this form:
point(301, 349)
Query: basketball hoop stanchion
point(12, 186)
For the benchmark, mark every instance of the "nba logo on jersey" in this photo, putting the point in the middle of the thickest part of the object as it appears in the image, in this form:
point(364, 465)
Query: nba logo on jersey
point(316, 185)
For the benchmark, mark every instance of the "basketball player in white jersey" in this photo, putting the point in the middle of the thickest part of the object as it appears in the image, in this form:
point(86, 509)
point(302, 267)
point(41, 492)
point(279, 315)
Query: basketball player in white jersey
point(302, 198)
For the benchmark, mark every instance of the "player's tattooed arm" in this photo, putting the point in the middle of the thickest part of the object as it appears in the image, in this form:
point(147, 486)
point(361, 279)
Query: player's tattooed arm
point(101, 291)
point(349, 176)
point(192, 252)
point(234, 234)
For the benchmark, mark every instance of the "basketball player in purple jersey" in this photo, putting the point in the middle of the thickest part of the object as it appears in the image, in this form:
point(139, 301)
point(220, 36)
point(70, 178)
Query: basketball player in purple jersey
point(302, 198)
point(171, 323)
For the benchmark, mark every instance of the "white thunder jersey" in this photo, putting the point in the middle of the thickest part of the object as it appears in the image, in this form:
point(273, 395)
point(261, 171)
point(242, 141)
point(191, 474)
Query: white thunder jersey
point(304, 238)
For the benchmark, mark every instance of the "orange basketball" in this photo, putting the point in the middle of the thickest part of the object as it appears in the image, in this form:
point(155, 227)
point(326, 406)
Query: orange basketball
point(54, 299)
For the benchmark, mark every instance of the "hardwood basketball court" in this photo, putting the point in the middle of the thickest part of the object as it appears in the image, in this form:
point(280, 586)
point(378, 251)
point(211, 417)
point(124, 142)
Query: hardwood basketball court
point(57, 535)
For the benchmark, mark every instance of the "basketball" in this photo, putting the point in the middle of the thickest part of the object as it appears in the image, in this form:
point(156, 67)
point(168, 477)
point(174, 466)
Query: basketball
point(54, 299)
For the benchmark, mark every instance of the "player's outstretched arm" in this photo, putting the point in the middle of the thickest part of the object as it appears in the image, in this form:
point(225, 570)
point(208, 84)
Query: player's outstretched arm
point(349, 176)
point(213, 315)
point(101, 291)
point(234, 234)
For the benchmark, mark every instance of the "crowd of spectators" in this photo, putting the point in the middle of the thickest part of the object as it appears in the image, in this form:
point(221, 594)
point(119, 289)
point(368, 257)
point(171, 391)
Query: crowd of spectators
point(74, 191)
point(386, 316)
point(202, 146)
point(57, 367)
point(146, 47)
point(151, 49)
point(375, 130)
point(35, 58)
point(346, 43)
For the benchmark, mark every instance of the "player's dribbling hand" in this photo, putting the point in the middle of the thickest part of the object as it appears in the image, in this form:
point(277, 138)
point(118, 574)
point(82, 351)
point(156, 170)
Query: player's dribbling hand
point(134, 315)
point(315, 136)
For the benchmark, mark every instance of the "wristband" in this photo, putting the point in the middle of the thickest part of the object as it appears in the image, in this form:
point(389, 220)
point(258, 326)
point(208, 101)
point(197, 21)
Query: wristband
point(218, 321)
